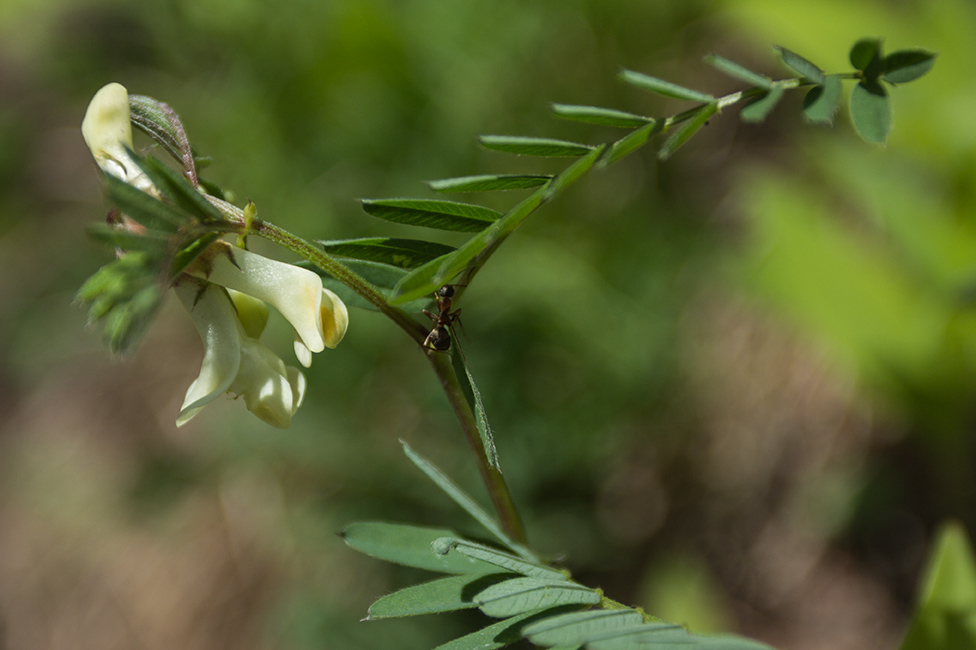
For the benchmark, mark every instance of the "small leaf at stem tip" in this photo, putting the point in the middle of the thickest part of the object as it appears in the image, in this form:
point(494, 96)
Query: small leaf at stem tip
point(521, 595)
point(907, 65)
point(402, 253)
point(601, 116)
point(738, 71)
point(441, 215)
point(761, 107)
point(801, 66)
point(489, 182)
point(687, 129)
point(665, 88)
point(526, 146)
point(821, 102)
point(866, 56)
point(871, 111)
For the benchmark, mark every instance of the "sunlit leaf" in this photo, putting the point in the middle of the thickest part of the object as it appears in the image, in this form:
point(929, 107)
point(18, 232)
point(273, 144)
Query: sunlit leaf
point(801, 66)
point(685, 130)
point(871, 111)
point(761, 107)
point(907, 65)
point(410, 546)
point(821, 102)
point(489, 182)
point(521, 595)
point(526, 566)
point(533, 146)
point(602, 116)
point(662, 87)
point(404, 253)
point(576, 628)
point(443, 215)
point(738, 71)
point(442, 595)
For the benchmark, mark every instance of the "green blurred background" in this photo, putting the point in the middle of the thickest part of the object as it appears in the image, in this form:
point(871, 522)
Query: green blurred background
point(735, 389)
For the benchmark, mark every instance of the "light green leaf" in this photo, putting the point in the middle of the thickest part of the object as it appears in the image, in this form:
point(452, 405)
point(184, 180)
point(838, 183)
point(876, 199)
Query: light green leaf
point(630, 142)
point(865, 55)
point(402, 253)
point(733, 69)
point(576, 628)
point(871, 111)
point(410, 546)
point(489, 182)
point(761, 107)
point(494, 636)
point(801, 66)
point(526, 146)
point(526, 566)
point(443, 215)
point(602, 116)
point(521, 595)
point(685, 130)
point(946, 614)
point(443, 595)
point(820, 103)
point(665, 88)
point(907, 65)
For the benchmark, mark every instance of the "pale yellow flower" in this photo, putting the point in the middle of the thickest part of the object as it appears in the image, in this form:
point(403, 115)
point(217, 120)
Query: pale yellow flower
point(107, 130)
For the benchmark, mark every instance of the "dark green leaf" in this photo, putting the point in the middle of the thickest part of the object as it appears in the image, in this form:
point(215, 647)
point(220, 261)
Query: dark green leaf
point(443, 595)
point(820, 102)
point(410, 546)
point(866, 56)
point(177, 189)
point(473, 397)
point(443, 215)
point(685, 130)
point(143, 208)
point(534, 146)
point(403, 253)
point(497, 635)
point(662, 87)
point(602, 116)
point(761, 107)
point(521, 595)
point(907, 65)
point(738, 71)
point(801, 66)
point(871, 111)
point(161, 123)
point(526, 565)
point(576, 628)
point(629, 143)
point(489, 183)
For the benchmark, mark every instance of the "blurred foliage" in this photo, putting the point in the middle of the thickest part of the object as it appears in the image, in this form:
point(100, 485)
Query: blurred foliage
point(760, 353)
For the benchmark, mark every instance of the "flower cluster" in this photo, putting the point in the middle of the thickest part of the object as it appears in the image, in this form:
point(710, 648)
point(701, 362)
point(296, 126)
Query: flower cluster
point(225, 291)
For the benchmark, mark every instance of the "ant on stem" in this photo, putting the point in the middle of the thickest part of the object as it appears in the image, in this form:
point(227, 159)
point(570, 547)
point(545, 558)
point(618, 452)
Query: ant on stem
point(440, 335)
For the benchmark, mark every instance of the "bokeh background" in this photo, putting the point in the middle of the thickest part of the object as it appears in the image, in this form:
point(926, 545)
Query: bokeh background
point(735, 389)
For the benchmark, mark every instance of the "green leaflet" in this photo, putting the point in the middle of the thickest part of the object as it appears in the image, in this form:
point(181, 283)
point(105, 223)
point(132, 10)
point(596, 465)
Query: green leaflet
point(410, 546)
point(494, 636)
point(733, 69)
point(577, 628)
point(521, 595)
point(526, 567)
point(865, 55)
point(489, 182)
point(473, 397)
point(687, 129)
point(630, 143)
point(147, 210)
point(160, 122)
point(871, 111)
point(402, 253)
point(761, 107)
point(641, 637)
point(907, 65)
point(820, 102)
point(526, 146)
point(801, 66)
point(442, 595)
point(601, 116)
point(178, 190)
point(665, 88)
point(443, 215)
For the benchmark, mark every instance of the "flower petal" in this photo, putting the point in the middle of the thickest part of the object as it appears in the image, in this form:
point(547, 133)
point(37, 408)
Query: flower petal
point(264, 382)
point(107, 130)
point(252, 313)
point(214, 317)
point(334, 317)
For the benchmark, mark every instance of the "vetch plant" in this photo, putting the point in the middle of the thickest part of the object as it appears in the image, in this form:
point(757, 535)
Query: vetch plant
point(171, 230)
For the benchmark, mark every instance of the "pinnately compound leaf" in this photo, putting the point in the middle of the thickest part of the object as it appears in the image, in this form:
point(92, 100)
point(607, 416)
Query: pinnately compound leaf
point(489, 182)
point(525, 146)
point(907, 65)
point(402, 253)
point(871, 111)
point(665, 88)
point(443, 215)
point(410, 546)
point(761, 107)
point(740, 72)
point(521, 595)
point(526, 567)
point(801, 66)
point(442, 595)
point(576, 628)
point(684, 131)
point(602, 116)
point(820, 102)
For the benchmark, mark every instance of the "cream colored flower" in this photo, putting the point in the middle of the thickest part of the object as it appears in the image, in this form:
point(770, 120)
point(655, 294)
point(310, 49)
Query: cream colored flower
point(108, 132)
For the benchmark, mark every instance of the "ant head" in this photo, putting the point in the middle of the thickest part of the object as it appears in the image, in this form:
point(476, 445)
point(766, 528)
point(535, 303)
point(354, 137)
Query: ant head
point(447, 291)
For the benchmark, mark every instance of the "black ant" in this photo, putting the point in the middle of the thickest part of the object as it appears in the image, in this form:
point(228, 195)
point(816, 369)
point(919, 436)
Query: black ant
point(440, 336)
